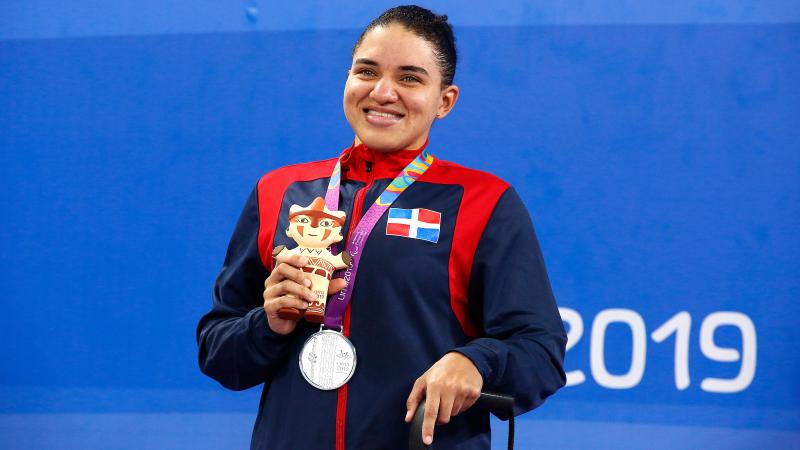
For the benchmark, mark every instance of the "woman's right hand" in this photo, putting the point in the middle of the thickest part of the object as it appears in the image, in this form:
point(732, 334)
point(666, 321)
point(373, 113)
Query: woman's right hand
point(288, 286)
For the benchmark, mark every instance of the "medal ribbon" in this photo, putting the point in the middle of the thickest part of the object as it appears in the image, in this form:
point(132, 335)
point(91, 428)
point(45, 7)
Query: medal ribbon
point(358, 239)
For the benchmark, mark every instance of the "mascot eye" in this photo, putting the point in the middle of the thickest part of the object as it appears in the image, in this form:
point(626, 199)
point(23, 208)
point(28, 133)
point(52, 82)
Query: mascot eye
point(303, 220)
point(325, 223)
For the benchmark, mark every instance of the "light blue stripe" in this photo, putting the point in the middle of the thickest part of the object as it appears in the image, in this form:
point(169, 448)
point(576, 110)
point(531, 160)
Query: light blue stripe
point(428, 234)
point(399, 213)
point(36, 19)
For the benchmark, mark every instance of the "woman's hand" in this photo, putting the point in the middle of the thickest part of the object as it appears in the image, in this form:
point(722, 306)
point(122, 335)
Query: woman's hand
point(449, 387)
point(288, 286)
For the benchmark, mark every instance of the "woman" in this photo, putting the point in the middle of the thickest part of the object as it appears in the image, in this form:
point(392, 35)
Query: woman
point(450, 296)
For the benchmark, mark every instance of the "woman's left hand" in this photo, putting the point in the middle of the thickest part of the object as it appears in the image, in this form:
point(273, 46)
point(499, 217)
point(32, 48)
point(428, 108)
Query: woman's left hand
point(449, 387)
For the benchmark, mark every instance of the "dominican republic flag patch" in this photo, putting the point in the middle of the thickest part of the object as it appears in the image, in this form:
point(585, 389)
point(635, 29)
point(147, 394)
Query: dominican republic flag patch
point(417, 223)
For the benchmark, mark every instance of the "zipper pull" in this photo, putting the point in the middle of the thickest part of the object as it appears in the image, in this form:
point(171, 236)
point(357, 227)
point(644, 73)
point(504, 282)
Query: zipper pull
point(369, 166)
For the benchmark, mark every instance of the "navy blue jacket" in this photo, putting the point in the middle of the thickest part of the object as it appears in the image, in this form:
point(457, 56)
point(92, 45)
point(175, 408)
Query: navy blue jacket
point(481, 290)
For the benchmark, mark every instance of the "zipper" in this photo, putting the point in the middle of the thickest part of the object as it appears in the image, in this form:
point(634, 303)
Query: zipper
point(358, 203)
point(355, 217)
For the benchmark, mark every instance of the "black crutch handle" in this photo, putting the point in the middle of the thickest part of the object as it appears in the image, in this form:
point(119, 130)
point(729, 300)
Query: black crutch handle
point(500, 405)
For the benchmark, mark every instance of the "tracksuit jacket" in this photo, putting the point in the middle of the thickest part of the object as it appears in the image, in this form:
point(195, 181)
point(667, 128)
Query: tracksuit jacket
point(481, 290)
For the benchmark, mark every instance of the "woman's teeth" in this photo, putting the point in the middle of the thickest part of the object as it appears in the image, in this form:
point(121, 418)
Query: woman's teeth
point(383, 114)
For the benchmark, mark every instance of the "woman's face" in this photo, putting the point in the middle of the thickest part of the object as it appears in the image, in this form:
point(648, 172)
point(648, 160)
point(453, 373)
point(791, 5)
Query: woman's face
point(394, 90)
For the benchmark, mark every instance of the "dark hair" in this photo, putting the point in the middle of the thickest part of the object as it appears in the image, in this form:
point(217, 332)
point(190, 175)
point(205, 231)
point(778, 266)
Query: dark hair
point(427, 25)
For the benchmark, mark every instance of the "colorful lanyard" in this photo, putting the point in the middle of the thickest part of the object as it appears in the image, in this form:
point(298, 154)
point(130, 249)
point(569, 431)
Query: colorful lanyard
point(358, 239)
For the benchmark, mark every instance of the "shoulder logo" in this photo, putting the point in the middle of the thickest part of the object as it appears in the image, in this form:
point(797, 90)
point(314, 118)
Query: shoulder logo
point(417, 223)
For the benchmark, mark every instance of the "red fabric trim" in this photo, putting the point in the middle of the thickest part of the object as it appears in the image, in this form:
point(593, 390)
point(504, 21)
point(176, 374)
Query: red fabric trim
point(341, 399)
point(341, 412)
point(385, 164)
point(398, 229)
point(482, 191)
point(428, 216)
point(271, 188)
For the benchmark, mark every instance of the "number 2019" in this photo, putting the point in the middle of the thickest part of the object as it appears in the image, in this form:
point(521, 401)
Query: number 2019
point(678, 325)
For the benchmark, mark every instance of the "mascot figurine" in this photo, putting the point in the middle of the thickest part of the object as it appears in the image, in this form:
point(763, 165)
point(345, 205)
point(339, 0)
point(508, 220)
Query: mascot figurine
point(315, 228)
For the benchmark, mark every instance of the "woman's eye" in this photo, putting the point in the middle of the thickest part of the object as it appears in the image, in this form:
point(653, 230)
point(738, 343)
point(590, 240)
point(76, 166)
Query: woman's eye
point(409, 79)
point(365, 72)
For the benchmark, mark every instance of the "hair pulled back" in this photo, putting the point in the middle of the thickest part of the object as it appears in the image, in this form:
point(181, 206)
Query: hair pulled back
point(427, 25)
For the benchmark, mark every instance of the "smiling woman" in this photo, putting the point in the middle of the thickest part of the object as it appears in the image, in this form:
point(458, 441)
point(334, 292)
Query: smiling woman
point(395, 89)
point(446, 294)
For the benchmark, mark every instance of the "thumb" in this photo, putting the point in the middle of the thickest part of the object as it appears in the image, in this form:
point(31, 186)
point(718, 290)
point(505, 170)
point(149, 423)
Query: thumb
point(336, 285)
point(414, 398)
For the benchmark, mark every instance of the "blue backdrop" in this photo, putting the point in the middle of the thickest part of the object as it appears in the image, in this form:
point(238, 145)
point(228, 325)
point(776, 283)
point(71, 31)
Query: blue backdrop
point(655, 145)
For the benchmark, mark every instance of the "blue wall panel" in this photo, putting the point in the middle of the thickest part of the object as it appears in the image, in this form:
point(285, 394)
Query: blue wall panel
point(659, 162)
point(36, 19)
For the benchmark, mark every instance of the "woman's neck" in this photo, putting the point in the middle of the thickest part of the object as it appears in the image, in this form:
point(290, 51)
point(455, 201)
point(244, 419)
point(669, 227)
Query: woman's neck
point(417, 147)
point(362, 163)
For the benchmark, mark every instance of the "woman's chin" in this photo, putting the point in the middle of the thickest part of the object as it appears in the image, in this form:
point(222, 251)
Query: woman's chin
point(390, 142)
point(382, 143)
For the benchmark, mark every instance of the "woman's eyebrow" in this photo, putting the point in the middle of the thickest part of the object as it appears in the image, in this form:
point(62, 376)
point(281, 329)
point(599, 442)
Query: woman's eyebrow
point(414, 69)
point(370, 62)
point(366, 61)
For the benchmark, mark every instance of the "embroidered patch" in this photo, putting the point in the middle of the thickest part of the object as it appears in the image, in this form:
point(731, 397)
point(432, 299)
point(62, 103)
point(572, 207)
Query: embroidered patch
point(417, 223)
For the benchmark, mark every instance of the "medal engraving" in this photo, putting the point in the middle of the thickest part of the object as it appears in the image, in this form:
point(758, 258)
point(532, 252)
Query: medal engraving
point(328, 360)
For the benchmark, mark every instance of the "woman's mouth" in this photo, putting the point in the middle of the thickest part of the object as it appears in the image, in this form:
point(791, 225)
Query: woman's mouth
point(382, 118)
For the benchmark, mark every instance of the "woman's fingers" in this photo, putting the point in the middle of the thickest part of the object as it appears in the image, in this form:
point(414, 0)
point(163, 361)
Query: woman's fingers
point(458, 406)
point(416, 395)
point(432, 401)
point(446, 407)
point(288, 287)
point(450, 386)
point(289, 270)
point(286, 301)
point(336, 285)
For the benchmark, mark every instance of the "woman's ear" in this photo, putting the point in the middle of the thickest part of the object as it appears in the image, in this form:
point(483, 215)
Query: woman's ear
point(448, 101)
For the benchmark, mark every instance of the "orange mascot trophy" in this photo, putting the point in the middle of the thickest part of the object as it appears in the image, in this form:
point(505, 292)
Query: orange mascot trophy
point(315, 228)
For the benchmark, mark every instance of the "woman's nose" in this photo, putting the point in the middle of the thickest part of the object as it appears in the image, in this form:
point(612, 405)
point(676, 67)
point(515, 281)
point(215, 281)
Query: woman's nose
point(384, 91)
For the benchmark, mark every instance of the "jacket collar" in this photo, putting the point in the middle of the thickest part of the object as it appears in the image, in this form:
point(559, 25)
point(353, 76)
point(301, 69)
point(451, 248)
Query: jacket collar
point(358, 158)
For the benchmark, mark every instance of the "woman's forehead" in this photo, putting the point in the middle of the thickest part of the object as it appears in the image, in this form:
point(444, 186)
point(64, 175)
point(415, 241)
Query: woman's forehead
point(395, 46)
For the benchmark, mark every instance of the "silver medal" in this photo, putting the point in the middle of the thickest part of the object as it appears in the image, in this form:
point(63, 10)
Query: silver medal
point(328, 360)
